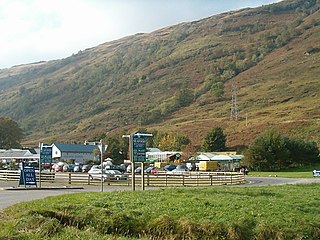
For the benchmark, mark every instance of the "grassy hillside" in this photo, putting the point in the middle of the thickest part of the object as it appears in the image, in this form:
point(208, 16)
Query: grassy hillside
point(167, 80)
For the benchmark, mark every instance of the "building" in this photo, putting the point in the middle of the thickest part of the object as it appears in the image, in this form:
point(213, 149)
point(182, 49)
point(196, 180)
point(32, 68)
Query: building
point(77, 153)
point(226, 161)
point(18, 155)
point(156, 155)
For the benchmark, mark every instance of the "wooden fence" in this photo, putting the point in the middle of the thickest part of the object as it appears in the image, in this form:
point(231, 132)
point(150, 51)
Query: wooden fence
point(161, 179)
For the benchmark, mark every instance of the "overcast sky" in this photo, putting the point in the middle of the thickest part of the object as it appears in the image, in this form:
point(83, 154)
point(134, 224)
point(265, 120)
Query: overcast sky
point(41, 30)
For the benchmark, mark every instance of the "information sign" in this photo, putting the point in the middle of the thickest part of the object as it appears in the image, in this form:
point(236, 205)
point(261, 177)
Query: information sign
point(28, 176)
point(46, 154)
point(139, 147)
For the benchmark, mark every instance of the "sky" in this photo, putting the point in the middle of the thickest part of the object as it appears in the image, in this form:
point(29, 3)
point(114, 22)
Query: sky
point(42, 30)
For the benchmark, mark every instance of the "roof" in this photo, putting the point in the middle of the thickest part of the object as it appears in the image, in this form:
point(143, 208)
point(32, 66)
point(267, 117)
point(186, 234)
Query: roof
point(79, 148)
point(207, 156)
point(154, 150)
point(17, 154)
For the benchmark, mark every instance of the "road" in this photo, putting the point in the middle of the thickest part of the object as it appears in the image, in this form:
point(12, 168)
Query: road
point(10, 197)
point(267, 181)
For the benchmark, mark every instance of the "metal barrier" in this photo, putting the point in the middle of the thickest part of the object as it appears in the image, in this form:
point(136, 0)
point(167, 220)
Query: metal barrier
point(163, 179)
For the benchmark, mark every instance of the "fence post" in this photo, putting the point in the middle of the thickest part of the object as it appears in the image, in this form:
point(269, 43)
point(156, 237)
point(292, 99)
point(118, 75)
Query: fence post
point(210, 176)
point(148, 176)
point(166, 179)
point(69, 177)
point(182, 179)
point(198, 179)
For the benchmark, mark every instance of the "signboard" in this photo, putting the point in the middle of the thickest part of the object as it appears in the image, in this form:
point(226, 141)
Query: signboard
point(28, 176)
point(46, 154)
point(139, 147)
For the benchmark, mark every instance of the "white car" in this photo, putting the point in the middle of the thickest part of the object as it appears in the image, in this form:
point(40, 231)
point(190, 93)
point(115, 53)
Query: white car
point(95, 173)
point(316, 173)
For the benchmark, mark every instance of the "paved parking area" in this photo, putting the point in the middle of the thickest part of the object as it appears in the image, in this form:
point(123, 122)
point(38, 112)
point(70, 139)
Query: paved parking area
point(11, 194)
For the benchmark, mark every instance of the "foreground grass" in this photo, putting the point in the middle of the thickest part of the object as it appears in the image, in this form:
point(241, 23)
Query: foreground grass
point(275, 212)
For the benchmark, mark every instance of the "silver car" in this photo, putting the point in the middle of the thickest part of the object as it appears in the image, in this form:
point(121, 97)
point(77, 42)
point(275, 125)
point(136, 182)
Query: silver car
point(95, 173)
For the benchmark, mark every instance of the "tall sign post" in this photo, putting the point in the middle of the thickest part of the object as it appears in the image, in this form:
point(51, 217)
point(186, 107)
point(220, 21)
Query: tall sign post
point(138, 150)
point(137, 153)
point(45, 157)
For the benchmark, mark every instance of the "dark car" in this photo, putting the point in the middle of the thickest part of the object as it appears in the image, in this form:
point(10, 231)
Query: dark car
point(169, 167)
point(181, 168)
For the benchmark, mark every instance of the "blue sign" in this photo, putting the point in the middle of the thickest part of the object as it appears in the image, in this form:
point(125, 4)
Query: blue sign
point(28, 176)
point(139, 148)
point(46, 154)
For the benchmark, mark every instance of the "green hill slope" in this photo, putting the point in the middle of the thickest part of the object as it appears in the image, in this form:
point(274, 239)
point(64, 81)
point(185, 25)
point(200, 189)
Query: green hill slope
point(179, 79)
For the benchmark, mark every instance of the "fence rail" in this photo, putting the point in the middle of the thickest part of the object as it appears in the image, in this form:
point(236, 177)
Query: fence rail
point(165, 179)
point(14, 175)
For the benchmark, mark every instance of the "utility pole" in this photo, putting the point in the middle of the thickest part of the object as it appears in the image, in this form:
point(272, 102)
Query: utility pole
point(234, 114)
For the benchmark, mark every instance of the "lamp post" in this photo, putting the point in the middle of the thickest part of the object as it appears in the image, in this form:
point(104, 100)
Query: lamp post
point(102, 149)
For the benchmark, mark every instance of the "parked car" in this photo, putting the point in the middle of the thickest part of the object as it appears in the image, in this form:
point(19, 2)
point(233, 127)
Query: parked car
point(154, 171)
point(77, 168)
point(181, 168)
point(316, 173)
point(137, 169)
point(57, 167)
point(117, 175)
point(86, 168)
point(151, 170)
point(95, 173)
point(169, 167)
point(68, 167)
point(123, 167)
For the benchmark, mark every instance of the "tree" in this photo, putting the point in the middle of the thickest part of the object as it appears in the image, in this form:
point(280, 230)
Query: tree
point(117, 149)
point(268, 152)
point(171, 142)
point(10, 133)
point(302, 152)
point(183, 97)
point(217, 89)
point(215, 140)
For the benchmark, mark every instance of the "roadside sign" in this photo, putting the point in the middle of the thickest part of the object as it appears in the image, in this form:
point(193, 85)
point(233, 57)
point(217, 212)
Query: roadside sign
point(27, 176)
point(46, 154)
point(139, 147)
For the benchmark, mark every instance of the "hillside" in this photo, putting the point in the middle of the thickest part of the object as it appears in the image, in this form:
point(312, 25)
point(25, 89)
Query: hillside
point(178, 79)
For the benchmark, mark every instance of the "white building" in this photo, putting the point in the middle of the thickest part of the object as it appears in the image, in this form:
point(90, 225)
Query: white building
point(156, 155)
point(79, 153)
point(227, 161)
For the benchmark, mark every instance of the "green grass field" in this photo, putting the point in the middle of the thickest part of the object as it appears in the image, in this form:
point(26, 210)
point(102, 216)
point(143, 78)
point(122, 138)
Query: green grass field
point(282, 174)
point(302, 172)
point(275, 212)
